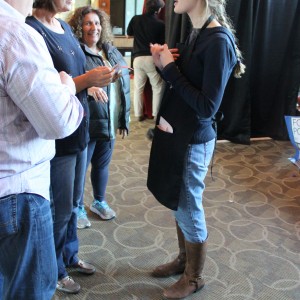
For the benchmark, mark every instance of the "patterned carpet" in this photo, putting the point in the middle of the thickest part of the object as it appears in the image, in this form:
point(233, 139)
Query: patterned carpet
point(252, 205)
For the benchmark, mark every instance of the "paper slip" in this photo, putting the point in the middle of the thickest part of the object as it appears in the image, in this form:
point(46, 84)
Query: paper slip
point(164, 125)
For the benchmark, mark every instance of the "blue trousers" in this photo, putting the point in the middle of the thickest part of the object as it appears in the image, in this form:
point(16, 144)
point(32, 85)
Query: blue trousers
point(190, 214)
point(99, 155)
point(67, 186)
point(28, 268)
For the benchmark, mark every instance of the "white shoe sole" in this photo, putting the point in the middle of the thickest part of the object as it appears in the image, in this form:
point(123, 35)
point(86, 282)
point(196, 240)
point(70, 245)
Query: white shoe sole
point(83, 227)
point(88, 225)
point(96, 211)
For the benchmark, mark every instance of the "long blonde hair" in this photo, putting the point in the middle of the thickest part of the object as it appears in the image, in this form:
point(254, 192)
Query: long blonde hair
point(217, 8)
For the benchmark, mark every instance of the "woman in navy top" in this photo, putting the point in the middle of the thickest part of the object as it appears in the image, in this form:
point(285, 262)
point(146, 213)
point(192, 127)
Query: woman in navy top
point(184, 137)
point(68, 165)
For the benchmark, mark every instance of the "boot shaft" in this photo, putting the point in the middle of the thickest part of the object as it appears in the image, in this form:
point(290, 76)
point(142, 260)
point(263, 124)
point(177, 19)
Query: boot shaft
point(196, 255)
point(177, 266)
point(192, 280)
point(181, 241)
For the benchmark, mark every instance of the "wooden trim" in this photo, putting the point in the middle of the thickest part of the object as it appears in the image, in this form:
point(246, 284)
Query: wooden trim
point(104, 5)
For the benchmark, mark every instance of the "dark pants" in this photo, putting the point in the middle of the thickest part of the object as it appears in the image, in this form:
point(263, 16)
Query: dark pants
point(99, 154)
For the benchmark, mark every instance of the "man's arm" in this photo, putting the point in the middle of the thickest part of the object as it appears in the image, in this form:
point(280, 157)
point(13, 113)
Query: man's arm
point(35, 86)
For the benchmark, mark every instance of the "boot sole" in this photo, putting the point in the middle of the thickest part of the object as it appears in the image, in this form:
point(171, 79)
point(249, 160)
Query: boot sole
point(166, 275)
point(183, 297)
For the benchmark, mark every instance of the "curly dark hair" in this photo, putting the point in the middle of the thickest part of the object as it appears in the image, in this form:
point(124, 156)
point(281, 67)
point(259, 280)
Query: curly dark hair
point(76, 19)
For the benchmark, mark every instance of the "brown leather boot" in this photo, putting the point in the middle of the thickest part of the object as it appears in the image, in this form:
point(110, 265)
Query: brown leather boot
point(177, 266)
point(191, 281)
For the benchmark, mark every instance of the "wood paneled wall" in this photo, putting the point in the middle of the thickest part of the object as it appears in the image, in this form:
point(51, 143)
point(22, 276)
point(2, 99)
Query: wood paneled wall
point(104, 5)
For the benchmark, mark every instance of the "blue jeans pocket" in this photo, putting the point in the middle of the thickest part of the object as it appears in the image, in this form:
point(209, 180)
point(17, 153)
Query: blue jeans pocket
point(8, 216)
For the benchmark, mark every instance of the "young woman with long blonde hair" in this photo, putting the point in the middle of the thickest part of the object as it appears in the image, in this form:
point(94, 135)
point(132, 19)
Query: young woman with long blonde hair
point(184, 137)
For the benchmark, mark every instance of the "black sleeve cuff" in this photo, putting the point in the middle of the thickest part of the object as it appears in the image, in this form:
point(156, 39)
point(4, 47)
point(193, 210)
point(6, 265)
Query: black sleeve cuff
point(171, 73)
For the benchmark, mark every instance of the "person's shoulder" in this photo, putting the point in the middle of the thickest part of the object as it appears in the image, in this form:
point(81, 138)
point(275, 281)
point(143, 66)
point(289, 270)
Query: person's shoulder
point(16, 30)
point(111, 50)
point(137, 18)
point(10, 24)
point(220, 32)
point(31, 20)
point(108, 47)
point(7, 34)
point(221, 40)
point(62, 22)
point(34, 25)
point(216, 36)
point(225, 36)
point(156, 20)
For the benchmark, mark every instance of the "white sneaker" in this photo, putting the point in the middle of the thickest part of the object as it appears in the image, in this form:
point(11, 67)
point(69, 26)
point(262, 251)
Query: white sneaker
point(82, 219)
point(102, 209)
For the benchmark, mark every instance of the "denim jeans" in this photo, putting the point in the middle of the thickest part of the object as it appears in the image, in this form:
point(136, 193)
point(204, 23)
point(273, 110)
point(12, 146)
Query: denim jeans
point(67, 187)
point(190, 214)
point(99, 154)
point(28, 267)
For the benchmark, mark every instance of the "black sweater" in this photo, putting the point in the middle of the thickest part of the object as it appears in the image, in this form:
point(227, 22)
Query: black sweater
point(200, 76)
point(196, 84)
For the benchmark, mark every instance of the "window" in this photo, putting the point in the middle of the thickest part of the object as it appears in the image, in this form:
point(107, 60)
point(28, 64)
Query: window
point(121, 12)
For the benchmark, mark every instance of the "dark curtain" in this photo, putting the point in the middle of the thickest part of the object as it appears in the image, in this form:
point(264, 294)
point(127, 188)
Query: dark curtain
point(275, 71)
point(268, 32)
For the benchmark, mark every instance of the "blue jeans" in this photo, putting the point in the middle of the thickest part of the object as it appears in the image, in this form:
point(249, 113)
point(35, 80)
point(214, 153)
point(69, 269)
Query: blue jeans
point(99, 154)
point(190, 214)
point(28, 267)
point(67, 186)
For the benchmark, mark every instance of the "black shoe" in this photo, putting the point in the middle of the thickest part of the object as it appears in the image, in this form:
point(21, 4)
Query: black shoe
point(150, 134)
point(141, 118)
